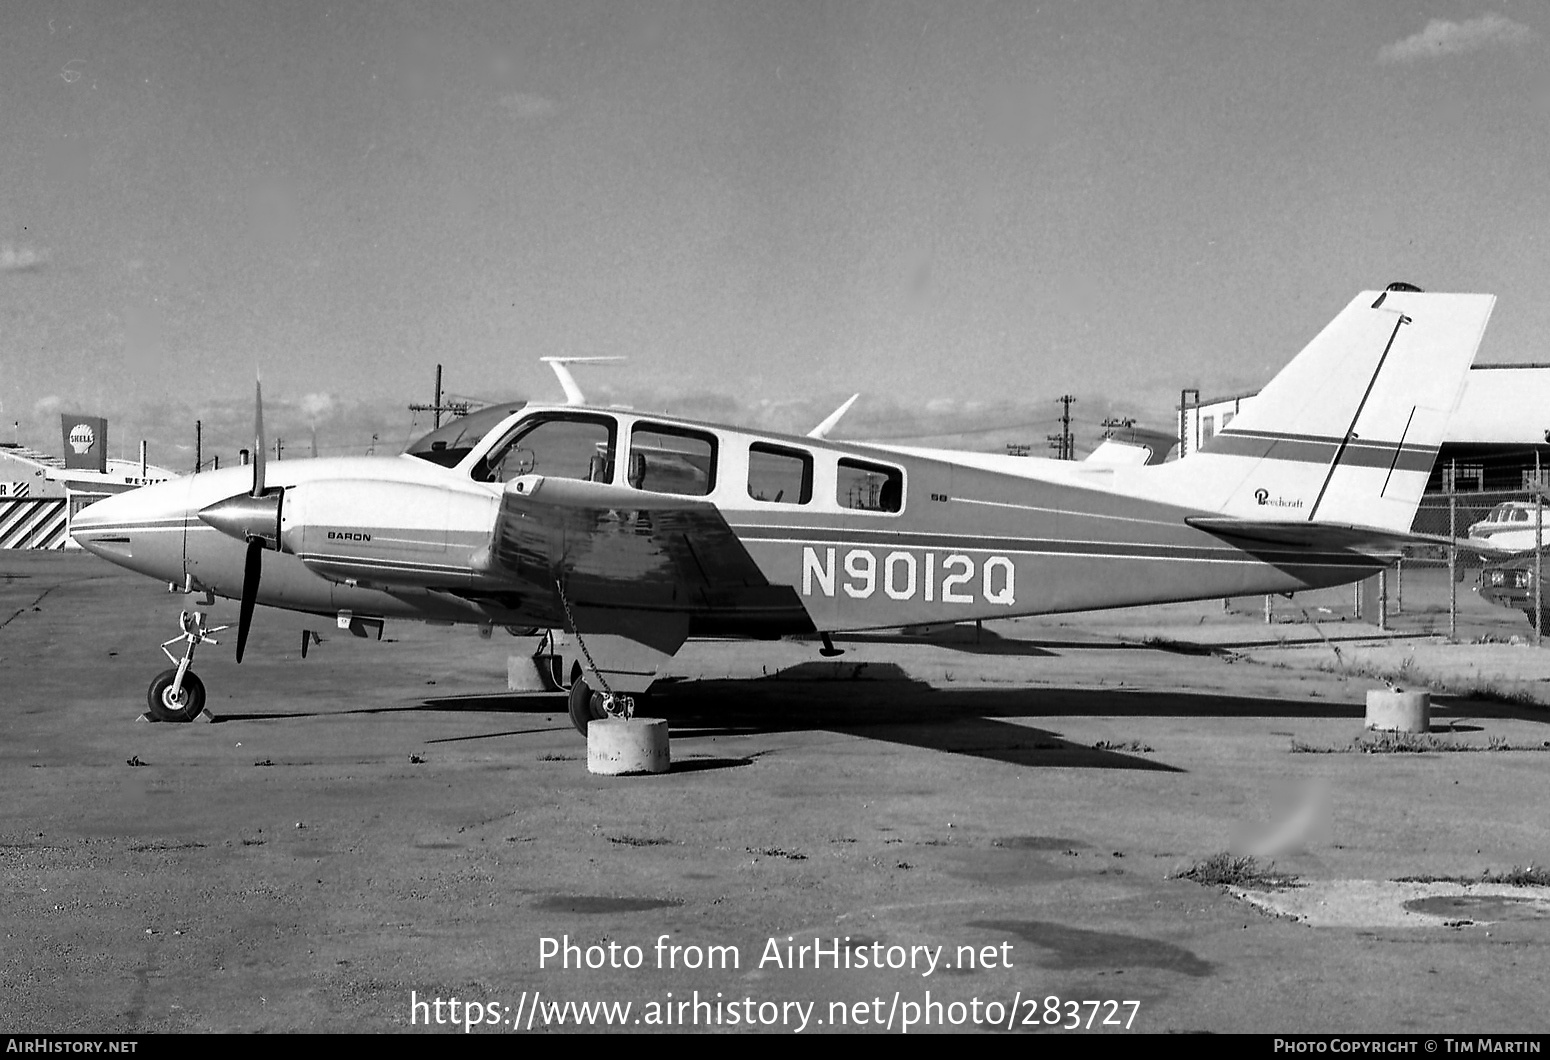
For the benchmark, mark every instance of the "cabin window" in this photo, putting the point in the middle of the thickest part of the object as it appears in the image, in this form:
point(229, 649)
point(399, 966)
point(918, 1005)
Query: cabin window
point(577, 447)
point(671, 460)
point(780, 476)
point(869, 487)
point(450, 443)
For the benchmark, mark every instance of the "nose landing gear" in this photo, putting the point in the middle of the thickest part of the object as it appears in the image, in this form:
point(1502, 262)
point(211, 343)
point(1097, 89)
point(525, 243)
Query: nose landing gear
point(178, 694)
point(172, 699)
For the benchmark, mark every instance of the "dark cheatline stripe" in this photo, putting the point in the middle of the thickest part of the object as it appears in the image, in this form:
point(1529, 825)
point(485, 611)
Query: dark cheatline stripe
point(1321, 449)
point(850, 538)
point(392, 566)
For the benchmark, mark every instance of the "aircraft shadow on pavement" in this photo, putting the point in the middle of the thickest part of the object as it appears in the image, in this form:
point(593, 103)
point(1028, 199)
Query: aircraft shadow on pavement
point(957, 638)
point(880, 701)
point(481, 703)
point(965, 638)
point(924, 717)
point(884, 704)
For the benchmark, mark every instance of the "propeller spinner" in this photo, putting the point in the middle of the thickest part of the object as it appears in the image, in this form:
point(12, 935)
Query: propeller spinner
point(253, 517)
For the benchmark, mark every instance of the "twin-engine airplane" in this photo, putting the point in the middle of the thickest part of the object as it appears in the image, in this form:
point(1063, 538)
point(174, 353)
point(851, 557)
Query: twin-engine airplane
point(634, 532)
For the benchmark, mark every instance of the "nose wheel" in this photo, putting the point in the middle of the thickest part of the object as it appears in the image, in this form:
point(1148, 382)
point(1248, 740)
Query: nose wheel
point(178, 694)
point(169, 703)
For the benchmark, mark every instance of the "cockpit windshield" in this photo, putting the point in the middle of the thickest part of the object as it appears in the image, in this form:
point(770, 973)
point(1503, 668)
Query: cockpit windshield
point(448, 444)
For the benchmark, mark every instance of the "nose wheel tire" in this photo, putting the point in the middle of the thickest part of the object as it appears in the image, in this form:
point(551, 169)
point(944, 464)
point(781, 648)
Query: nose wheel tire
point(185, 706)
point(585, 705)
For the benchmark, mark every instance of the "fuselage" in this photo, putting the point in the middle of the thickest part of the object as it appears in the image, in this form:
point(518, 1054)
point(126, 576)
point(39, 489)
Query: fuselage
point(865, 536)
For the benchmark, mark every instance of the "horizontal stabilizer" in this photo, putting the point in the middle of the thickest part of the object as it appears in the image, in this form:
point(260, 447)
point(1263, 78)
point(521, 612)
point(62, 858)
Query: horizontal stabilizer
point(1372, 540)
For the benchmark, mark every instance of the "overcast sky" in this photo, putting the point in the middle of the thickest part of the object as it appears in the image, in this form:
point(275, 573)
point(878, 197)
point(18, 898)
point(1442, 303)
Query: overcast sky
point(961, 209)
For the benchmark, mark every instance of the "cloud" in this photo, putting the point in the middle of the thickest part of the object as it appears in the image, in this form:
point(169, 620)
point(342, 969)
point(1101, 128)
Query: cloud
point(528, 104)
point(20, 259)
point(1441, 37)
point(317, 406)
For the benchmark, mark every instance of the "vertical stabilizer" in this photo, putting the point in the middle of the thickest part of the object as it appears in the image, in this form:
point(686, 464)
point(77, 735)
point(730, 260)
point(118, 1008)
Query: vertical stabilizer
point(1348, 431)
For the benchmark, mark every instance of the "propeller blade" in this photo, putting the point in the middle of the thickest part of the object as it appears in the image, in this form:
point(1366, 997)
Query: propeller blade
point(247, 518)
point(252, 569)
point(258, 438)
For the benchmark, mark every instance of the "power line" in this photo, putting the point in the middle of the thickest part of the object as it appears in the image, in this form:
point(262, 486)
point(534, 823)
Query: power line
point(457, 408)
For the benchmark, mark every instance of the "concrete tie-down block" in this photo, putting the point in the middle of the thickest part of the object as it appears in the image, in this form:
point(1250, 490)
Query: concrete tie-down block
point(619, 746)
point(1396, 710)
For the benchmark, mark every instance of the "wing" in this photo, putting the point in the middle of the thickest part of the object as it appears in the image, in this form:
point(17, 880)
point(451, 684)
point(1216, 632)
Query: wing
point(638, 563)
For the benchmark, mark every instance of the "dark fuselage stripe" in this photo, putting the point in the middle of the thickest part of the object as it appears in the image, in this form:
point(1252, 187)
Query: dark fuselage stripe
point(1317, 449)
point(1049, 546)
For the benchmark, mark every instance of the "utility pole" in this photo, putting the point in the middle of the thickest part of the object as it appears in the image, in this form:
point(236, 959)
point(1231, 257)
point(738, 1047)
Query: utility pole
point(279, 446)
point(1539, 553)
point(437, 406)
point(198, 445)
point(1061, 442)
point(1184, 406)
point(1453, 551)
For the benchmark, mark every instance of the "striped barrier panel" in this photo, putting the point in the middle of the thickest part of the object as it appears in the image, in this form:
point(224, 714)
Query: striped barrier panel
point(33, 523)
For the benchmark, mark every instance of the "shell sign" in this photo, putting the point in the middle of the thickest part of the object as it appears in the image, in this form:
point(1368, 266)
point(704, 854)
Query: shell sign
point(86, 442)
point(81, 437)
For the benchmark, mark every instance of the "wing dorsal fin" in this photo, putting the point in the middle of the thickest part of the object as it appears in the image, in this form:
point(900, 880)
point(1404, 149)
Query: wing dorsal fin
point(822, 430)
point(573, 394)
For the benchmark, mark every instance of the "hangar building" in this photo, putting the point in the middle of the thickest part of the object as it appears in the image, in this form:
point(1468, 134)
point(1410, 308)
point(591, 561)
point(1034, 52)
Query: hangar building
point(1502, 421)
point(40, 494)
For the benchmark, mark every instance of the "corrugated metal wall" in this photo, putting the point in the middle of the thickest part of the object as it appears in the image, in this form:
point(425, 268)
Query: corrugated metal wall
point(33, 523)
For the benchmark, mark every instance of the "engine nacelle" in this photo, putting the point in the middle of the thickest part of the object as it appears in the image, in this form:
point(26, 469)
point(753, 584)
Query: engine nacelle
point(379, 533)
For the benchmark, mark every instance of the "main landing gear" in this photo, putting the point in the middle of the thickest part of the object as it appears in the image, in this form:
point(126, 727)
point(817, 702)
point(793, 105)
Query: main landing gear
point(588, 705)
point(178, 694)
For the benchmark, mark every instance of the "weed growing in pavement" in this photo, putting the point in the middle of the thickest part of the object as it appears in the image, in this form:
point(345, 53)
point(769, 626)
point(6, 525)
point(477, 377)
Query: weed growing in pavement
point(1233, 870)
point(1384, 743)
point(1527, 876)
point(638, 841)
point(1410, 675)
point(1134, 746)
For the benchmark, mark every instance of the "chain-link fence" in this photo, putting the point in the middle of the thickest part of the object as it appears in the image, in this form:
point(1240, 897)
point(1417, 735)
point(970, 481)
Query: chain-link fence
point(1504, 516)
point(1432, 589)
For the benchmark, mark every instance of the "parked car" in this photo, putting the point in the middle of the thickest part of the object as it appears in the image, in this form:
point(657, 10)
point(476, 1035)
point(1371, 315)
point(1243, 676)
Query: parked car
point(1510, 583)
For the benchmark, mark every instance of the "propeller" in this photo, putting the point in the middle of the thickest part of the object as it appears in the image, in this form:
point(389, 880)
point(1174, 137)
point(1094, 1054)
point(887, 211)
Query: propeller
point(252, 570)
point(253, 517)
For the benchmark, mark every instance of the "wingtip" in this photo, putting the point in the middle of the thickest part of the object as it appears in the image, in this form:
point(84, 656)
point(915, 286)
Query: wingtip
point(822, 430)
